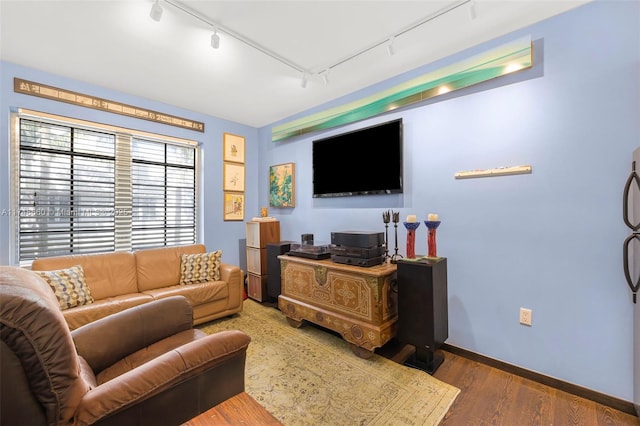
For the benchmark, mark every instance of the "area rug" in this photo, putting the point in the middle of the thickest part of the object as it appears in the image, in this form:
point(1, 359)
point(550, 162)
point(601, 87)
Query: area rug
point(309, 376)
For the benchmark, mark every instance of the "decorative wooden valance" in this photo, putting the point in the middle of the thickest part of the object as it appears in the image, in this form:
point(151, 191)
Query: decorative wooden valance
point(75, 98)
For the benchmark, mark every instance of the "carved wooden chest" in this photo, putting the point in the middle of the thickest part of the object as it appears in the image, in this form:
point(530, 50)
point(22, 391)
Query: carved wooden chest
point(357, 302)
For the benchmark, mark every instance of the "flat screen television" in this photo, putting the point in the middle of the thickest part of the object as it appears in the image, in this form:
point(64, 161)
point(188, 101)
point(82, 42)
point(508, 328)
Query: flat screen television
point(366, 161)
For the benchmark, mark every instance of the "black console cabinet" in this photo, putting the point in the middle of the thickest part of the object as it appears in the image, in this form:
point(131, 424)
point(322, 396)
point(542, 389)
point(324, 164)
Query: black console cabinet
point(423, 319)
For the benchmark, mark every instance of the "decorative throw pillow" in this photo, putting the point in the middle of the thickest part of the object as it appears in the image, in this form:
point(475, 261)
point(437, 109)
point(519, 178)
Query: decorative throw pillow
point(200, 267)
point(69, 286)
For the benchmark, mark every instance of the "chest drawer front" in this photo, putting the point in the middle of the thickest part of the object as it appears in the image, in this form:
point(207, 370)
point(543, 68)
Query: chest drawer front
point(257, 287)
point(256, 260)
point(259, 234)
point(253, 234)
point(356, 295)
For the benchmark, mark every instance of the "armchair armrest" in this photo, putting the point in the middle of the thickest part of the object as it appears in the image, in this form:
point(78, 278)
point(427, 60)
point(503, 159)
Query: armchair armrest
point(103, 342)
point(231, 273)
point(145, 388)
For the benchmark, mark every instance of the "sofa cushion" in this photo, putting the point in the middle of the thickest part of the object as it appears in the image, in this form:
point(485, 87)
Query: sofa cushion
point(36, 335)
point(87, 373)
point(160, 267)
point(81, 315)
point(106, 274)
point(152, 351)
point(196, 294)
point(69, 286)
point(200, 267)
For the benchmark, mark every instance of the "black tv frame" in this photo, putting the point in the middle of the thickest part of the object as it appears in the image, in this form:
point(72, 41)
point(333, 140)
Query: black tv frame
point(347, 163)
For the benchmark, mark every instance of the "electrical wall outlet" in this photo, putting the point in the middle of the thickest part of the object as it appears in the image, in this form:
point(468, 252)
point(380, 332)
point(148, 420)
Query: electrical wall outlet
point(525, 316)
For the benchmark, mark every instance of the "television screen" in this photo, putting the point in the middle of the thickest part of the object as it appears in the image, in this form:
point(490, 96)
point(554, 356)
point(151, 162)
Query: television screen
point(366, 161)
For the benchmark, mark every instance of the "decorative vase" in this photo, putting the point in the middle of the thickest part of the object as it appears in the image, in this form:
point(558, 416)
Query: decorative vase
point(411, 238)
point(432, 225)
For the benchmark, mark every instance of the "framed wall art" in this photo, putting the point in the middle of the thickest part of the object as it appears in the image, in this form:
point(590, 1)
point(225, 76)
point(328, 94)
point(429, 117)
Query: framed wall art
point(282, 185)
point(233, 177)
point(233, 206)
point(233, 148)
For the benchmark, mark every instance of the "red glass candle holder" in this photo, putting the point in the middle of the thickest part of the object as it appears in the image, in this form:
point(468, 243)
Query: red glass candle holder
point(411, 238)
point(432, 248)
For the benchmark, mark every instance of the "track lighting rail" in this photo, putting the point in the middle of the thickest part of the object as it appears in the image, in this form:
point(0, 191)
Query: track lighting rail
point(221, 28)
point(306, 73)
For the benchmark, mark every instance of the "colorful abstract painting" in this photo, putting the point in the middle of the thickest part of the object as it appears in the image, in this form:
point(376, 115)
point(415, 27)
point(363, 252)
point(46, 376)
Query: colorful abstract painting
point(282, 185)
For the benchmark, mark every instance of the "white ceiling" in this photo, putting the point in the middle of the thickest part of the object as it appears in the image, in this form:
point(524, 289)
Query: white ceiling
point(115, 44)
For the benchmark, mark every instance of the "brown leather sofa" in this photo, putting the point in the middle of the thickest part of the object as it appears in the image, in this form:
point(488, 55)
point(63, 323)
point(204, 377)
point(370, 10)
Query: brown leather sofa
point(121, 280)
point(146, 365)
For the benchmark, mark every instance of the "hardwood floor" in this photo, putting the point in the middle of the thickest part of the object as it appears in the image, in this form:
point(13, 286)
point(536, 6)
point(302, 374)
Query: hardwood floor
point(492, 396)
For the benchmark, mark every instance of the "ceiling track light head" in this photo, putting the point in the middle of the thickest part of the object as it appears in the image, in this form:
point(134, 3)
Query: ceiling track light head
point(156, 11)
point(473, 13)
point(215, 40)
point(390, 49)
point(303, 83)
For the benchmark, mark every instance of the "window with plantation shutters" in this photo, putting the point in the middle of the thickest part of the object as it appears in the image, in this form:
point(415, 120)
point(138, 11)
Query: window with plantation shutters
point(80, 189)
point(164, 194)
point(66, 181)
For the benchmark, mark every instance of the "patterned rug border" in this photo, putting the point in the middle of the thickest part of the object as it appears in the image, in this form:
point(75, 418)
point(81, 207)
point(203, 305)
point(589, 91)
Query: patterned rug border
point(280, 375)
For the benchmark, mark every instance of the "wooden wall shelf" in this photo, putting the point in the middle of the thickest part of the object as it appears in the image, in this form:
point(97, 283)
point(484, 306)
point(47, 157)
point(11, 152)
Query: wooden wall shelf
point(499, 171)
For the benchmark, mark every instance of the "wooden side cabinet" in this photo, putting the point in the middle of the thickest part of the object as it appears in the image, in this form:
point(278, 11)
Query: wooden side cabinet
point(423, 318)
point(259, 234)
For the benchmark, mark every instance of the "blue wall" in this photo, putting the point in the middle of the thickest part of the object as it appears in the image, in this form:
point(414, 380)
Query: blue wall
point(550, 241)
point(215, 233)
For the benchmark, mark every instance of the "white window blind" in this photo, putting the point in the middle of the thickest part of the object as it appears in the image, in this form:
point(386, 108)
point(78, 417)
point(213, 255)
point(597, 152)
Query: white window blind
point(164, 194)
point(87, 190)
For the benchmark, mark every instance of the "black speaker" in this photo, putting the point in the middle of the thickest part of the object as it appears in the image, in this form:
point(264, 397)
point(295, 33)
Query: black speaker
point(242, 254)
point(273, 266)
point(423, 319)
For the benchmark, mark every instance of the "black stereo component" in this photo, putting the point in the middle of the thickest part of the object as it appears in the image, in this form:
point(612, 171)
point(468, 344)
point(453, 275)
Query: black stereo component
point(359, 239)
point(364, 253)
point(308, 255)
point(355, 261)
point(310, 251)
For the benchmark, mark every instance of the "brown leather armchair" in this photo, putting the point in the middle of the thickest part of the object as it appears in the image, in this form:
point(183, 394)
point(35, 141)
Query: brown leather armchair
point(146, 365)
